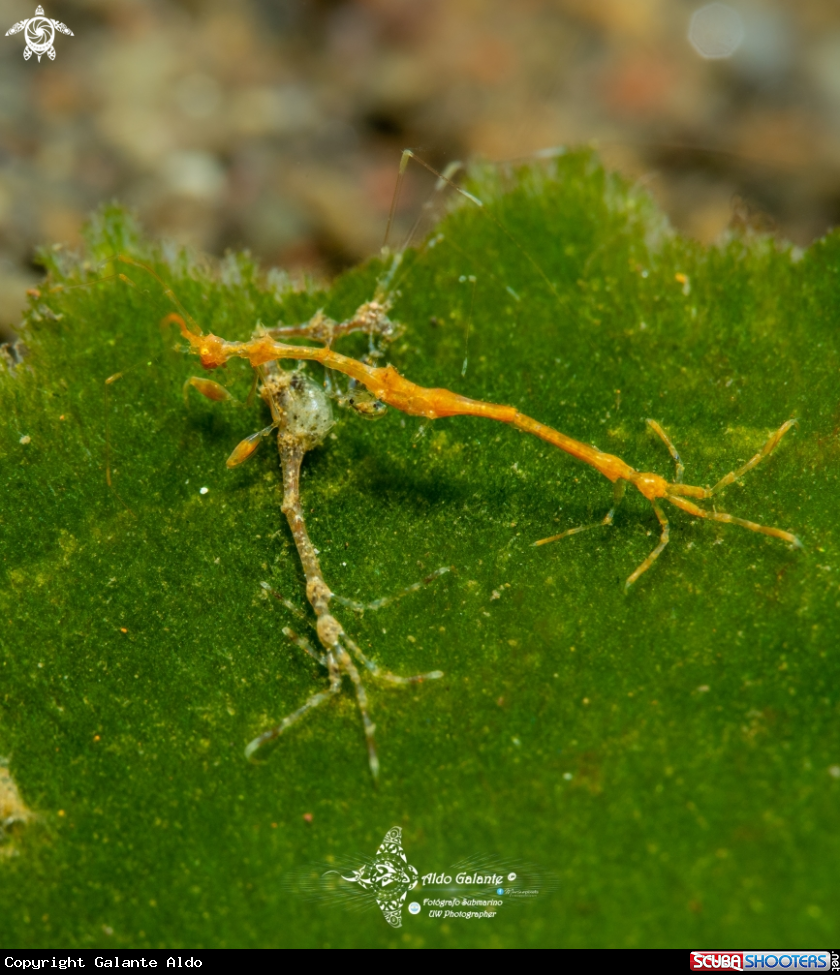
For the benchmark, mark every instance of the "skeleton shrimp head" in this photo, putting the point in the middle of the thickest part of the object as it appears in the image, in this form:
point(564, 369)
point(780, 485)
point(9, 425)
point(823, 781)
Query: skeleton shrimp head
point(209, 347)
point(299, 406)
point(372, 317)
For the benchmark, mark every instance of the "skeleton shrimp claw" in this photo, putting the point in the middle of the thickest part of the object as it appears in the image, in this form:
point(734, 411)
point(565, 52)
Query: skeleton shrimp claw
point(207, 387)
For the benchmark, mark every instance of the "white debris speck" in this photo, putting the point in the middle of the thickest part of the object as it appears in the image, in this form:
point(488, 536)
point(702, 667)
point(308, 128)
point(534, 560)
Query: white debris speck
point(203, 490)
point(25, 439)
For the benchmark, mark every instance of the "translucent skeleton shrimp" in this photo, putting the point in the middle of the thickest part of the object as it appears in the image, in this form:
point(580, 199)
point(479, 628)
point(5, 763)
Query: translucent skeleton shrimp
point(302, 416)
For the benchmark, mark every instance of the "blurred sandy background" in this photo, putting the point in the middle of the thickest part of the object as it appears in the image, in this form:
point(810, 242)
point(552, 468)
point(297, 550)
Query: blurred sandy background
point(277, 125)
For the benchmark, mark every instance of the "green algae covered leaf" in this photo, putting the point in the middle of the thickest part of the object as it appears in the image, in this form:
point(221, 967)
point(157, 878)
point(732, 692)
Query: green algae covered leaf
point(670, 756)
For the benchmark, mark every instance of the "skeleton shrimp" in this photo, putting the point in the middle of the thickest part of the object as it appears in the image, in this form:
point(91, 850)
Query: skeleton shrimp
point(387, 386)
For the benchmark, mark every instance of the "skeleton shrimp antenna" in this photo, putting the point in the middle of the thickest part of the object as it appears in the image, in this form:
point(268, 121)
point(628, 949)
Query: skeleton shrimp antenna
point(443, 178)
point(386, 281)
point(194, 327)
point(383, 285)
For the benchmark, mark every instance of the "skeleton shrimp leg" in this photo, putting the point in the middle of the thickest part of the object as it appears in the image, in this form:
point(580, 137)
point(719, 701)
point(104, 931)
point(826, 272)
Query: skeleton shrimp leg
point(768, 447)
point(387, 600)
point(305, 645)
point(672, 450)
point(618, 493)
point(654, 555)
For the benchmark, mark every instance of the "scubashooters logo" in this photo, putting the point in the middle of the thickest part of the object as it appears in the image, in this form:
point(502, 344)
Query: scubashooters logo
point(476, 887)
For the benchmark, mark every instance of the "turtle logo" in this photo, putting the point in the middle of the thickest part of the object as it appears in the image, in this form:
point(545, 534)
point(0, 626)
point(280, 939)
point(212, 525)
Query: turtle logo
point(39, 34)
point(389, 877)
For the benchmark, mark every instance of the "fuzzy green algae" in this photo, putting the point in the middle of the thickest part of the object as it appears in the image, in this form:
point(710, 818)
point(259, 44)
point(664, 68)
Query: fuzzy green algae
point(670, 757)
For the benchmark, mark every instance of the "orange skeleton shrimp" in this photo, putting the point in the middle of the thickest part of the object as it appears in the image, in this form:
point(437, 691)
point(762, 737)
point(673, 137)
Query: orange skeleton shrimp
point(392, 389)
